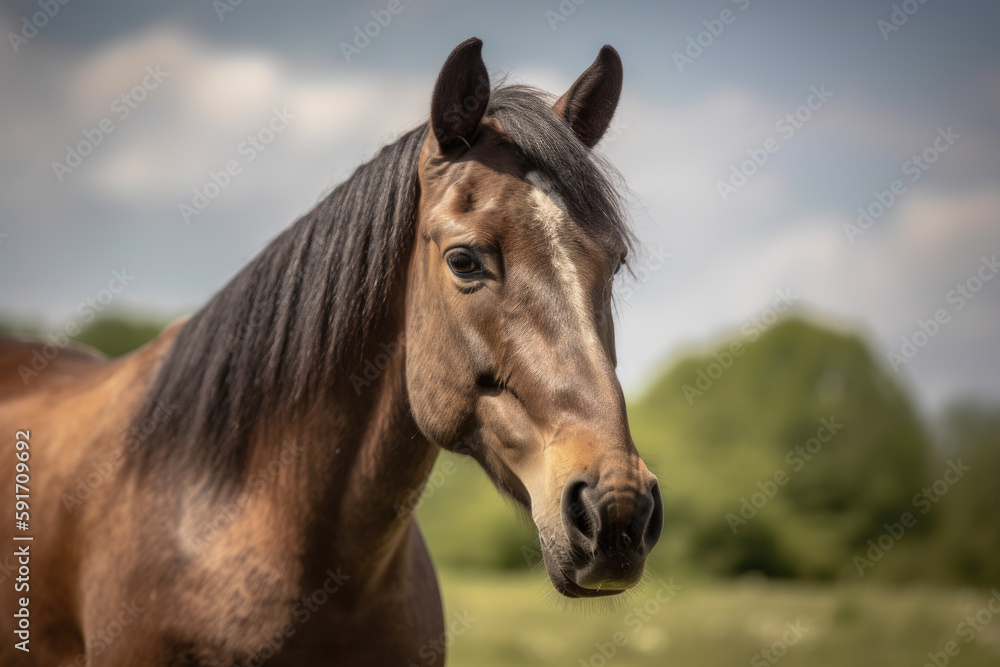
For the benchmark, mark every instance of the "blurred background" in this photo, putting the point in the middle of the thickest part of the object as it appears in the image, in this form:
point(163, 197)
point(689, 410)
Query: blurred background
point(808, 341)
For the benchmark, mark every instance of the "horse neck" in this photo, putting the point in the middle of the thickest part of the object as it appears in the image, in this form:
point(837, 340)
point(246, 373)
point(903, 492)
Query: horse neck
point(367, 476)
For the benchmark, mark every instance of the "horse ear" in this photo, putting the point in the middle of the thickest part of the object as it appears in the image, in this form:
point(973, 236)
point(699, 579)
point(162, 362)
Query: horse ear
point(460, 96)
point(590, 102)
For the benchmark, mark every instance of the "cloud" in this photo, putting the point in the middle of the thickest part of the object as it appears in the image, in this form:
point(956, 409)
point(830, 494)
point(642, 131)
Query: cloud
point(889, 279)
point(728, 257)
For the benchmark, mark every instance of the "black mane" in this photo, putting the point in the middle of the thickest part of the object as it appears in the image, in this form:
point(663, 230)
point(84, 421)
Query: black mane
point(292, 322)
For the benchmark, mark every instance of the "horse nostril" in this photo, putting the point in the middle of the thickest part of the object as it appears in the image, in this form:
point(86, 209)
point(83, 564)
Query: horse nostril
point(654, 526)
point(578, 517)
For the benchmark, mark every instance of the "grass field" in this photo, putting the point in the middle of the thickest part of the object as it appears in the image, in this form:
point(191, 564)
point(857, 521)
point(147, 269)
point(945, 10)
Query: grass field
point(517, 620)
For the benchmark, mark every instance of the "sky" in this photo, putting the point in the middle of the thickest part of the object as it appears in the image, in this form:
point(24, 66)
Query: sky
point(750, 133)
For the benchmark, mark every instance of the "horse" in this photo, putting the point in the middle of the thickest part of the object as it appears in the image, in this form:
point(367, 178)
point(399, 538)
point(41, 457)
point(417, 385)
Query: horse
point(235, 492)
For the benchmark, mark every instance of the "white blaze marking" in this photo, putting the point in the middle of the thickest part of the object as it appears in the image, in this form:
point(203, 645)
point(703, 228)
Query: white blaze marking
point(444, 204)
point(551, 213)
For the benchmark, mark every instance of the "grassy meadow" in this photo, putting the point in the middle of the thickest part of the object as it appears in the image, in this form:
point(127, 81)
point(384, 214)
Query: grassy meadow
point(519, 622)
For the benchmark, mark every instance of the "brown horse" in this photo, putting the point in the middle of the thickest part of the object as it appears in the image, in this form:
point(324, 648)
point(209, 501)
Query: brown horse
point(231, 493)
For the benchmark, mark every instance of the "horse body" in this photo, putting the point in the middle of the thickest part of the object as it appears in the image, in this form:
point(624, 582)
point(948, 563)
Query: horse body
point(93, 593)
point(240, 490)
point(69, 412)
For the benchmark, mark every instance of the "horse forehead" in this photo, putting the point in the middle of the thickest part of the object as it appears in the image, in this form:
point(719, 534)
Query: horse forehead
point(477, 188)
point(511, 202)
point(527, 211)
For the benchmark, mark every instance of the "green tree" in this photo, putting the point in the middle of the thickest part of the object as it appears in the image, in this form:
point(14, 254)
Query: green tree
point(784, 454)
point(967, 532)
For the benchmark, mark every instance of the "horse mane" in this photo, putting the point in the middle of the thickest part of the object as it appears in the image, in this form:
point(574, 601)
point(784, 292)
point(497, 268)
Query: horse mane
point(292, 322)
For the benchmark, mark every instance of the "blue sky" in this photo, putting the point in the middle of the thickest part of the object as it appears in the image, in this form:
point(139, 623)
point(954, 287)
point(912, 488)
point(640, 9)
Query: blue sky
point(887, 96)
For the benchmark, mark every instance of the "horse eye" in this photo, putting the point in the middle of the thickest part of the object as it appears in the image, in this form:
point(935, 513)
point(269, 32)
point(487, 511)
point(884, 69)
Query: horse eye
point(462, 263)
